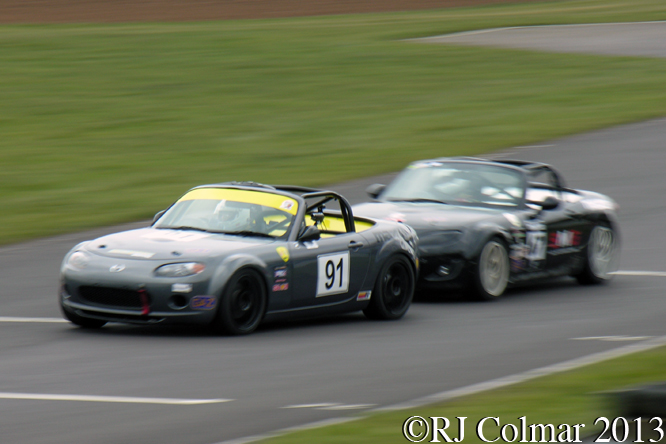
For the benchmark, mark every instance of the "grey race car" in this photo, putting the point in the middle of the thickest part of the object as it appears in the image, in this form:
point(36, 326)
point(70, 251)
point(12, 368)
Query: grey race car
point(231, 255)
point(484, 224)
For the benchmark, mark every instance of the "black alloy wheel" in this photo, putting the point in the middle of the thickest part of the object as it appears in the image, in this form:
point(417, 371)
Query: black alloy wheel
point(394, 290)
point(243, 303)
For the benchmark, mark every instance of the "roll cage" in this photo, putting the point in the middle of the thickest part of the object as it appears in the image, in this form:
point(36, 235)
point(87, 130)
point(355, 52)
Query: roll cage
point(316, 200)
point(312, 203)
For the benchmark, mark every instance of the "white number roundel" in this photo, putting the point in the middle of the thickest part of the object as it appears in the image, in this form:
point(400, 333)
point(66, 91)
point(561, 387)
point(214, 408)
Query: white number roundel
point(332, 273)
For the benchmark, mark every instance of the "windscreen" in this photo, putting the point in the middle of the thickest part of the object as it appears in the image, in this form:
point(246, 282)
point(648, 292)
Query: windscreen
point(458, 183)
point(231, 211)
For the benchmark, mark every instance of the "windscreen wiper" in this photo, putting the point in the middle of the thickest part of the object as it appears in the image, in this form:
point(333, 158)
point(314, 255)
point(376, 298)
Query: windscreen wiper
point(419, 199)
point(244, 233)
point(183, 227)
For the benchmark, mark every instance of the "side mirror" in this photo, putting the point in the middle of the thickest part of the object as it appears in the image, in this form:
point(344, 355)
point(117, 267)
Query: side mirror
point(375, 190)
point(311, 233)
point(550, 203)
point(157, 216)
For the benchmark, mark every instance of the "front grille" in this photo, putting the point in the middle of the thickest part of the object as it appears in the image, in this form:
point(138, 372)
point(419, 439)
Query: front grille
point(111, 297)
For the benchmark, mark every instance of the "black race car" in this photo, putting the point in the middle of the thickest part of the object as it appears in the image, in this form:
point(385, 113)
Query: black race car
point(231, 255)
point(485, 224)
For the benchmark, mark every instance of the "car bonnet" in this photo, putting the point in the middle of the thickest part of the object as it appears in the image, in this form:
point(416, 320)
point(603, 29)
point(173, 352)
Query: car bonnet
point(166, 244)
point(426, 216)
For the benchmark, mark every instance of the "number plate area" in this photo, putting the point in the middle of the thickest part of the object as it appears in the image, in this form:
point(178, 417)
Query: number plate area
point(332, 273)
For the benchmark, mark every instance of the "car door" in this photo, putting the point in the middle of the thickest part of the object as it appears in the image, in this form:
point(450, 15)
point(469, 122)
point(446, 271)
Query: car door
point(329, 270)
point(558, 233)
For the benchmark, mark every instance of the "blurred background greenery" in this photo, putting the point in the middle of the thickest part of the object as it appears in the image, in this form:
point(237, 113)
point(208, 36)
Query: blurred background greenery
point(103, 124)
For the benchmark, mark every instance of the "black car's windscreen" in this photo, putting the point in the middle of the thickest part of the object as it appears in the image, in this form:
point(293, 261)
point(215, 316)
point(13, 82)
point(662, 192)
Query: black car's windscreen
point(228, 210)
point(458, 183)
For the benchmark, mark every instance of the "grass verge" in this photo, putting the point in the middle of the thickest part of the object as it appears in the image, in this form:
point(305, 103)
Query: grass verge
point(572, 397)
point(108, 124)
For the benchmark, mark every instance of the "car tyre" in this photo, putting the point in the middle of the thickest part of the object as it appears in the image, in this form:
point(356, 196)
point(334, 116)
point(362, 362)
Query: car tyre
point(242, 305)
point(601, 256)
point(81, 321)
point(492, 271)
point(394, 290)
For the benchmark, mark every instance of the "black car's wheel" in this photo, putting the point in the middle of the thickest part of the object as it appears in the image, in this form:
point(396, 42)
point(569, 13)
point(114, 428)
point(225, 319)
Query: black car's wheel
point(601, 256)
point(492, 271)
point(242, 305)
point(393, 290)
point(80, 320)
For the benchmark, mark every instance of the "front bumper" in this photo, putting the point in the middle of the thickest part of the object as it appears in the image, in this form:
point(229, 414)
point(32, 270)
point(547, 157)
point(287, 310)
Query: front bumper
point(150, 302)
point(443, 271)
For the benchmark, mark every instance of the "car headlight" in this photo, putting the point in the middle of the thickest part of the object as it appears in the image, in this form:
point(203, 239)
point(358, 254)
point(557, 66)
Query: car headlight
point(78, 260)
point(180, 270)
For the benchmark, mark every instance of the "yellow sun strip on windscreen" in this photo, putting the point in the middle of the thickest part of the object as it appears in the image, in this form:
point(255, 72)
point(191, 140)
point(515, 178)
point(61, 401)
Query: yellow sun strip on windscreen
point(277, 201)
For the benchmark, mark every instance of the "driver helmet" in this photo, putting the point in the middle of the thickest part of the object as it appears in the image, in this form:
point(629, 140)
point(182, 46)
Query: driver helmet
point(231, 218)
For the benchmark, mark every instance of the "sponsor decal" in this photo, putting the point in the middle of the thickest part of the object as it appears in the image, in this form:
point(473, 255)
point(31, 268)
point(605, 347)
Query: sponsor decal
point(287, 204)
point(203, 302)
point(564, 239)
point(363, 295)
point(280, 275)
point(132, 253)
point(281, 287)
point(283, 252)
point(181, 288)
point(517, 258)
point(564, 242)
point(117, 268)
point(517, 265)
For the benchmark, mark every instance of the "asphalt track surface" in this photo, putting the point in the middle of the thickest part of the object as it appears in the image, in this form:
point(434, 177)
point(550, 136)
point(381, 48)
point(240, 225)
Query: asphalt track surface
point(647, 39)
point(291, 374)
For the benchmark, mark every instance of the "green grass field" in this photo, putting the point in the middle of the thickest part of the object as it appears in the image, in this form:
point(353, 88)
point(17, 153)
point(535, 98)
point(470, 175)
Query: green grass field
point(103, 124)
point(573, 397)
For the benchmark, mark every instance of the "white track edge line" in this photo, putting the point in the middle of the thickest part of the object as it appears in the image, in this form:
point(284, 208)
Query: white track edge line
point(471, 389)
point(311, 406)
point(639, 273)
point(120, 399)
point(35, 320)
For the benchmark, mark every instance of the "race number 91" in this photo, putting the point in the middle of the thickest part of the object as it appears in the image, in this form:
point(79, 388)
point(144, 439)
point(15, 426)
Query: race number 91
point(332, 273)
